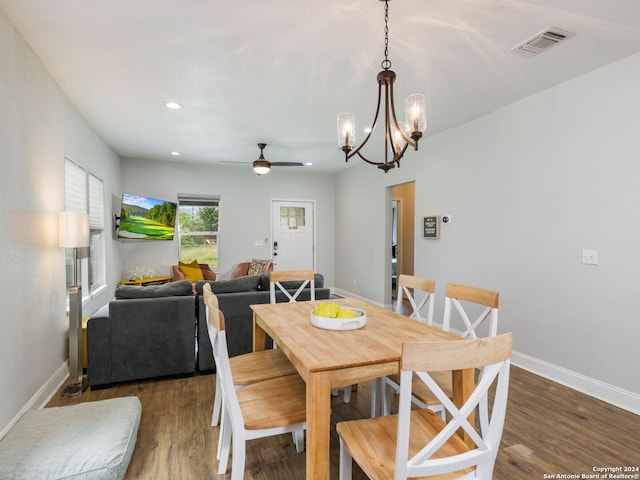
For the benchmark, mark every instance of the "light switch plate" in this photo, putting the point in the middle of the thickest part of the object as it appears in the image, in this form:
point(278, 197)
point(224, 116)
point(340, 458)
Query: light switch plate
point(589, 257)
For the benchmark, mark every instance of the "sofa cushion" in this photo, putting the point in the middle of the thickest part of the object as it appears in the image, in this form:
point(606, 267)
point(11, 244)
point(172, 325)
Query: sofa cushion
point(242, 269)
point(90, 440)
point(318, 279)
point(247, 283)
point(258, 267)
point(191, 271)
point(172, 289)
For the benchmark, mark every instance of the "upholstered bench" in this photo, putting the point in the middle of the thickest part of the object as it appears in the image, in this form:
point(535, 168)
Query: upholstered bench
point(92, 440)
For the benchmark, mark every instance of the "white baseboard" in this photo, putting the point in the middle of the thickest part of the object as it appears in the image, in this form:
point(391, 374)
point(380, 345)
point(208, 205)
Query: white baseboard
point(42, 396)
point(607, 393)
point(345, 293)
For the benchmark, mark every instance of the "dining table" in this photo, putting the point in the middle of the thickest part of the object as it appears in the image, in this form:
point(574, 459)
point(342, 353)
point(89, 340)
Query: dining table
point(329, 359)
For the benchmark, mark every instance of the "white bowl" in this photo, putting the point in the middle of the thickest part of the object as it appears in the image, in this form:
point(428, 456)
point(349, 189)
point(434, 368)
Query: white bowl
point(340, 323)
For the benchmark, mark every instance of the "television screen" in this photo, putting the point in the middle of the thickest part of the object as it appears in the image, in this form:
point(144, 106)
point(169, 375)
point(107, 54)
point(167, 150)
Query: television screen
point(144, 218)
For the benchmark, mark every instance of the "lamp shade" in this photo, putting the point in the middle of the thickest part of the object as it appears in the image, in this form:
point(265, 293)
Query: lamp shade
point(73, 230)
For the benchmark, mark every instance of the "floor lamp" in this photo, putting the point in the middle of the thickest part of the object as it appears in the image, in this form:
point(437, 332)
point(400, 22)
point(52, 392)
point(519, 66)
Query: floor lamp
point(74, 233)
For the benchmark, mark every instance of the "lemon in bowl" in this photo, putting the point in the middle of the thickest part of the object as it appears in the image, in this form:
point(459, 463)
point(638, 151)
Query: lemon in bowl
point(330, 316)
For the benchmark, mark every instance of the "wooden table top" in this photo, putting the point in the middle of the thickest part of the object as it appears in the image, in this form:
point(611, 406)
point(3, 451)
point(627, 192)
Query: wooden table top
point(316, 349)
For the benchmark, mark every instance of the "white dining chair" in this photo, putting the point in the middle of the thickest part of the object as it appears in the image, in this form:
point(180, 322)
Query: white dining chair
point(419, 443)
point(298, 281)
point(420, 293)
point(263, 409)
point(422, 303)
point(465, 307)
point(292, 291)
point(463, 298)
point(247, 368)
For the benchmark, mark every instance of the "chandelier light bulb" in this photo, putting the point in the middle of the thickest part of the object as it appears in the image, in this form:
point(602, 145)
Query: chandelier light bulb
point(346, 131)
point(415, 112)
point(397, 137)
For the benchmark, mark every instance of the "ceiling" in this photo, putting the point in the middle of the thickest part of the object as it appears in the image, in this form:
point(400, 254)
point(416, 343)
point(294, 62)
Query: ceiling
point(280, 71)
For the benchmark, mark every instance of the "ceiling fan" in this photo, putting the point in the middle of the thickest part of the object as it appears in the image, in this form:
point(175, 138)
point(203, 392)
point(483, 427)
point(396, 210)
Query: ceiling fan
point(262, 166)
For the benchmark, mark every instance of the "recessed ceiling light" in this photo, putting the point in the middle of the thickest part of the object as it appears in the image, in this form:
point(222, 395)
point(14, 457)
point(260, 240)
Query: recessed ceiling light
point(176, 154)
point(367, 130)
point(173, 105)
point(308, 164)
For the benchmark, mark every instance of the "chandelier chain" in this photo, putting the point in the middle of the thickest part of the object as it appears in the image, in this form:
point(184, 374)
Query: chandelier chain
point(386, 63)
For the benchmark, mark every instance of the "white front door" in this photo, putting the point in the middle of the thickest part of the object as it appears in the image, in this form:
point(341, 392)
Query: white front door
point(292, 236)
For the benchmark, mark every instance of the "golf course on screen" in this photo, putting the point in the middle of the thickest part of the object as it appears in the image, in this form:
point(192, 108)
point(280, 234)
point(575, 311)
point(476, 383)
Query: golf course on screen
point(144, 218)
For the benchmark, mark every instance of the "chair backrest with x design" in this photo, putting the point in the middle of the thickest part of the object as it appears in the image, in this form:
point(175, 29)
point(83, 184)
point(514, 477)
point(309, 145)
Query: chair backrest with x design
point(424, 285)
point(462, 297)
point(252, 416)
point(443, 450)
point(299, 279)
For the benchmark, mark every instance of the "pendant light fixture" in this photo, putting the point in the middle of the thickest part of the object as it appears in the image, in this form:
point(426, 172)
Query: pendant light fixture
point(398, 135)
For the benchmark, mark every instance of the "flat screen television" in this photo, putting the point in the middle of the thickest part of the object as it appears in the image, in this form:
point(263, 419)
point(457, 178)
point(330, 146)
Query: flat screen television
point(145, 218)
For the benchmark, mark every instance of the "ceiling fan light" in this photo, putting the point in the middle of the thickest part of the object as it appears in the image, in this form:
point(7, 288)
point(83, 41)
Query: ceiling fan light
point(261, 167)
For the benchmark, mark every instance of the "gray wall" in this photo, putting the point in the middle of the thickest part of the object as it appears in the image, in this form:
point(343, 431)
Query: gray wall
point(244, 209)
point(528, 187)
point(38, 126)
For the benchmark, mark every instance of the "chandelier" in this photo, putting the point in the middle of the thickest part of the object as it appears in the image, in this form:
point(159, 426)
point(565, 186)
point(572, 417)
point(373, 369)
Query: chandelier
point(398, 135)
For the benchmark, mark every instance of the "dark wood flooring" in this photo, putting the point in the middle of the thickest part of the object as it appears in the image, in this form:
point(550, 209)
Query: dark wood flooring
point(549, 429)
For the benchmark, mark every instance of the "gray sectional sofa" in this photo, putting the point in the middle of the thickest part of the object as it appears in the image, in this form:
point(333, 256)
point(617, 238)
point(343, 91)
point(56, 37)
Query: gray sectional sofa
point(144, 332)
point(161, 330)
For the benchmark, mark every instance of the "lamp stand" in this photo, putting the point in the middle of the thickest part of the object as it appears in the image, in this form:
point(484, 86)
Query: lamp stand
point(76, 380)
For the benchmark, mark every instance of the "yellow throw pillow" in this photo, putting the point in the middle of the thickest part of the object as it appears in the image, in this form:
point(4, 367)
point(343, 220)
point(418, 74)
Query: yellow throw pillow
point(258, 267)
point(191, 271)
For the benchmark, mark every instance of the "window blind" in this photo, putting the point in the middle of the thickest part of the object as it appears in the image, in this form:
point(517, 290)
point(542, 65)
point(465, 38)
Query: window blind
point(84, 192)
point(96, 203)
point(75, 187)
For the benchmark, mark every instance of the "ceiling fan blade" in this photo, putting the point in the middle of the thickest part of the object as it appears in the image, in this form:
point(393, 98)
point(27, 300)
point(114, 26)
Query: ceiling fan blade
point(286, 164)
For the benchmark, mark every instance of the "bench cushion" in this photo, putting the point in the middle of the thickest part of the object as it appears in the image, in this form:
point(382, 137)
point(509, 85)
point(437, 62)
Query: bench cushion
point(91, 440)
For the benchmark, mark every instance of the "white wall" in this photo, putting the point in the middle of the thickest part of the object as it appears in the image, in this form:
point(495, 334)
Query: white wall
point(38, 126)
point(244, 209)
point(528, 187)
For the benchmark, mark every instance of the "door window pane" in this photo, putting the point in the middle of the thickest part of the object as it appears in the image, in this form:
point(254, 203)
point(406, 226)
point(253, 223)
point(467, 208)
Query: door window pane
point(292, 217)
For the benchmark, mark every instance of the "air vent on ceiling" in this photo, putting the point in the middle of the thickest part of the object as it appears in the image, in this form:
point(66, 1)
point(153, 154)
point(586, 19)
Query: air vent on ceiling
point(542, 41)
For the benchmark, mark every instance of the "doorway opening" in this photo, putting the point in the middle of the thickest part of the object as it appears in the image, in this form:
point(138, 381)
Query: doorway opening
point(402, 235)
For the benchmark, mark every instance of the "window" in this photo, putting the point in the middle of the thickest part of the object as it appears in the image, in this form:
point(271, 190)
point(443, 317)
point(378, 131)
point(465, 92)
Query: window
point(292, 217)
point(198, 229)
point(84, 192)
